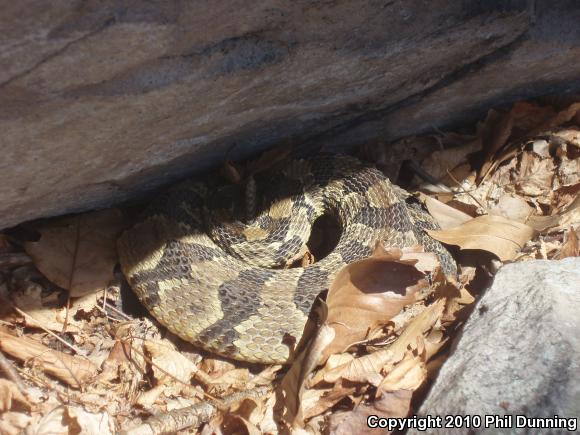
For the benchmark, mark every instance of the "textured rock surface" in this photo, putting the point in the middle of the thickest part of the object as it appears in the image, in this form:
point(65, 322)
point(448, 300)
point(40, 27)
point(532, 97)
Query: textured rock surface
point(100, 100)
point(521, 353)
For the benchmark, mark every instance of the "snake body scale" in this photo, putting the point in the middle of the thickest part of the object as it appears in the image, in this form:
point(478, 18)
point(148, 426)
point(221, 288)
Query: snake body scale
point(219, 282)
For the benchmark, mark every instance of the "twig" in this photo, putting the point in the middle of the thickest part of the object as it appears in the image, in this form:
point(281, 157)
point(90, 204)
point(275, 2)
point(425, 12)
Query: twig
point(115, 310)
point(11, 373)
point(466, 191)
point(422, 173)
point(109, 317)
point(190, 416)
point(48, 331)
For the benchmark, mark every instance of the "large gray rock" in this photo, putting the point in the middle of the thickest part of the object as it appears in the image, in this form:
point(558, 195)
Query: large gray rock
point(519, 353)
point(100, 100)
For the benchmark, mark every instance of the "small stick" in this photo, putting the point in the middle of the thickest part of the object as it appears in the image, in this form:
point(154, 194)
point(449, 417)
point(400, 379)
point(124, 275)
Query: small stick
point(115, 310)
point(190, 416)
point(465, 191)
point(48, 331)
point(422, 173)
point(109, 317)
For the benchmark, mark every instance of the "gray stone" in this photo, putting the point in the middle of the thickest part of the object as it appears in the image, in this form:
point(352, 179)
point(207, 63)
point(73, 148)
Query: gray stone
point(519, 353)
point(103, 100)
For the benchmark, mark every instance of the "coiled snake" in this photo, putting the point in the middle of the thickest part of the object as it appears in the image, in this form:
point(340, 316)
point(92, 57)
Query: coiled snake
point(219, 282)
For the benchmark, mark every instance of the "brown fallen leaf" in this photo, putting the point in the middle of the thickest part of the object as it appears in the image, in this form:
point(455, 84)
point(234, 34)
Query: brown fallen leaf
point(169, 365)
point(53, 422)
point(10, 393)
point(367, 369)
point(393, 396)
point(317, 401)
point(495, 132)
point(14, 423)
point(28, 298)
point(446, 216)
point(231, 172)
point(83, 422)
point(559, 118)
point(293, 385)
point(367, 293)
point(78, 253)
point(570, 248)
point(512, 207)
point(393, 405)
point(73, 370)
point(269, 158)
point(444, 161)
point(495, 234)
point(528, 115)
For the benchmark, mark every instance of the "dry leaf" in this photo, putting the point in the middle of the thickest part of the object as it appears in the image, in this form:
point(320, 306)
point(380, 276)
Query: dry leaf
point(439, 163)
point(293, 385)
point(10, 393)
point(495, 133)
point(367, 369)
point(53, 422)
point(74, 370)
point(269, 158)
point(570, 248)
point(83, 422)
point(495, 234)
point(78, 253)
point(367, 293)
point(318, 401)
point(559, 118)
point(512, 207)
point(231, 172)
point(394, 398)
point(535, 175)
point(391, 405)
point(446, 216)
point(13, 423)
point(408, 374)
point(169, 364)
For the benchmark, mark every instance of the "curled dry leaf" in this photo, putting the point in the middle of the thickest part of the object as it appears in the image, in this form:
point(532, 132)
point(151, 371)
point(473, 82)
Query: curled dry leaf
point(570, 248)
point(42, 312)
point(393, 396)
point(409, 374)
point(512, 207)
point(13, 423)
point(368, 293)
point(494, 132)
point(231, 172)
point(270, 158)
point(53, 422)
point(293, 386)
point(390, 405)
point(495, 234)
point(73, 370)
point(9, 394)
point(83, 422)
point(78, 253)
point(441, 162)
point(169, 365)
point(367, 369)
point(446, 216)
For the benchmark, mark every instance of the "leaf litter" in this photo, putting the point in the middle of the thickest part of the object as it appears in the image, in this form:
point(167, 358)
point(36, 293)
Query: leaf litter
point(506, 191)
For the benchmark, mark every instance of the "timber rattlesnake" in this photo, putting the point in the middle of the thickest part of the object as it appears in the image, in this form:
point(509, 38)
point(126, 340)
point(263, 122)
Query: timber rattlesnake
point(217, 282)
